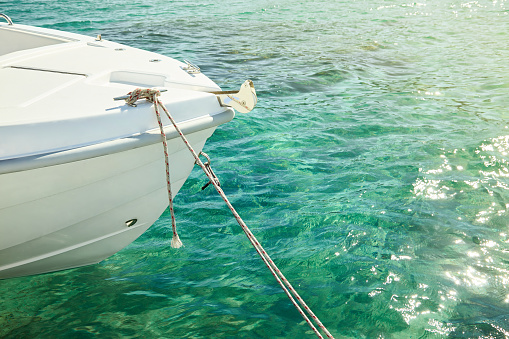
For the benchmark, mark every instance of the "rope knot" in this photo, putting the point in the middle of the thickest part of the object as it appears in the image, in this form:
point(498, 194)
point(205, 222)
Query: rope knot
point(150, 94)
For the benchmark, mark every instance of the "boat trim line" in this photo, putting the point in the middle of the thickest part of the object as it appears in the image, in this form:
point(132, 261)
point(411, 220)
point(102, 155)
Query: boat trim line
point(113, 146)
point(46, 70)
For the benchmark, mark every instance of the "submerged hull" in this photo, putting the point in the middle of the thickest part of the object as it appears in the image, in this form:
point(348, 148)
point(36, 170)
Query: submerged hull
point(76, 213)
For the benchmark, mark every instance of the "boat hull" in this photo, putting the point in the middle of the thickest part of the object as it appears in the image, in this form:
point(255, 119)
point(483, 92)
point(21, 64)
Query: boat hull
point(76, 213)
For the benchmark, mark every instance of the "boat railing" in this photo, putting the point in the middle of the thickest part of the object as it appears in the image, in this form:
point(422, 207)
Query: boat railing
point(9, 21)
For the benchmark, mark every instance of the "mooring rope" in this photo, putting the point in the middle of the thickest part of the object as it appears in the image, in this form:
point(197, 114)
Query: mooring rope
point(152, 95)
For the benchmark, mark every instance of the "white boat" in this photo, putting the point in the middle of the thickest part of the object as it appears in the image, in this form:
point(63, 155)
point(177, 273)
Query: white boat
point(82, 175)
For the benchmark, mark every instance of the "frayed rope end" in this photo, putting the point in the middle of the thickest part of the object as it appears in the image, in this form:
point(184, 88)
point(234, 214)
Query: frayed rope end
point(175, 242)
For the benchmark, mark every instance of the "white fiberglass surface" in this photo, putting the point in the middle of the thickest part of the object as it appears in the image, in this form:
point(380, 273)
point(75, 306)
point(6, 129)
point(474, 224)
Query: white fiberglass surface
point(27, 86)
point(59, 98)
point(16, 40)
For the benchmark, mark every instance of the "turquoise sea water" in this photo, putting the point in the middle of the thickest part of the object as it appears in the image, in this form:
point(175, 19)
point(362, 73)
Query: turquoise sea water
point(374, 170)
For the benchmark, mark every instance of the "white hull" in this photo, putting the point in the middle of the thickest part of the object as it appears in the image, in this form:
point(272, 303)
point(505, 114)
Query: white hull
point(94, 199)
point(76, 163)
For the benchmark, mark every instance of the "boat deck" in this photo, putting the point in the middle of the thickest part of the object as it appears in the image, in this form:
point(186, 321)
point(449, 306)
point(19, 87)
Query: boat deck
point(61, 87)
